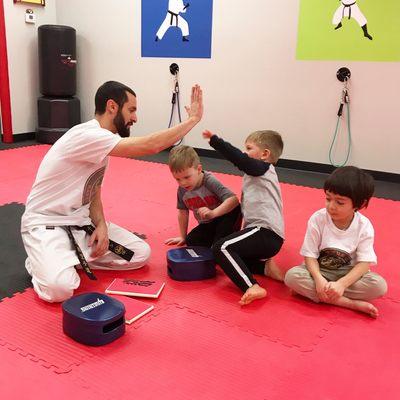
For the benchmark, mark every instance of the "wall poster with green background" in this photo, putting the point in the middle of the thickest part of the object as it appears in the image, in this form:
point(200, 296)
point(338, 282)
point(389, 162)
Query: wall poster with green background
point(358, 30)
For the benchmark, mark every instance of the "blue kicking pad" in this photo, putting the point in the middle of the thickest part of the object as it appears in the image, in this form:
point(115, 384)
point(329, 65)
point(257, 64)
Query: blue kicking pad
point(192, 263)
point(93, 318)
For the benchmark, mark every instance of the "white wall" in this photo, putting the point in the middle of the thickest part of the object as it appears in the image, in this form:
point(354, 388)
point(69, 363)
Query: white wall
point(253, 80)
point(23, 61)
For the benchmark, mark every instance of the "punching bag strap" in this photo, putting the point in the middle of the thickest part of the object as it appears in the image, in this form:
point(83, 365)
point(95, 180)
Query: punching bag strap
point(344, 101)
point(174, 69)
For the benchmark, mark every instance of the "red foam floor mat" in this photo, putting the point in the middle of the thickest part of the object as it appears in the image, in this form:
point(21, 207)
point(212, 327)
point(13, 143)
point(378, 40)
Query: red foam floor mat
point(18, 169)
point(198, 342)
point(176, 353)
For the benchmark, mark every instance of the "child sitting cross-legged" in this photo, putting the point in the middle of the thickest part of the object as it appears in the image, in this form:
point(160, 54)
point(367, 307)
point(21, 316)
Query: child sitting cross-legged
point(338, 247)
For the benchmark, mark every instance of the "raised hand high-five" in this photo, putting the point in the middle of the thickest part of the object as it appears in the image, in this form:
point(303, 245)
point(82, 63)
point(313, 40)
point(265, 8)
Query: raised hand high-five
point(195, 110)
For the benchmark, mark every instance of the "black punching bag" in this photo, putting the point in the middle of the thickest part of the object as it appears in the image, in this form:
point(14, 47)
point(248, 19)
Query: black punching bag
point(58, 109)
point(57, 60)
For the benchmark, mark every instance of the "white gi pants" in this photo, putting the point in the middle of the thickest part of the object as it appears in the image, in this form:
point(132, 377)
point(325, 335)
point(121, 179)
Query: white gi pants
point(52, 258)
point(176, 21)
point(353, 11)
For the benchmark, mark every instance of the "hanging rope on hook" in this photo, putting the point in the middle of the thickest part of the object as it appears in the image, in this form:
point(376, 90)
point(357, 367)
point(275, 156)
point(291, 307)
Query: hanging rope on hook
point(345, 101)
point(174, 69)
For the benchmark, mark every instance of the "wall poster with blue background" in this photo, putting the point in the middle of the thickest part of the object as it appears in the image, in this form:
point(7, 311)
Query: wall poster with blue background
point(176, 28)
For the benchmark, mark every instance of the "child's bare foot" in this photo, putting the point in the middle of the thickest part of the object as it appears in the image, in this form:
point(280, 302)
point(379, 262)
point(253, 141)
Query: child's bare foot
point(357, 305)
point(253, 293)
point(273, 271)
point(365, 307)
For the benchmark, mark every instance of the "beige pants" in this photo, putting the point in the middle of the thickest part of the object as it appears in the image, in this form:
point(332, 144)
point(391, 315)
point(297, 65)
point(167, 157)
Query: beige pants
point(52, 258)
point(370, 286)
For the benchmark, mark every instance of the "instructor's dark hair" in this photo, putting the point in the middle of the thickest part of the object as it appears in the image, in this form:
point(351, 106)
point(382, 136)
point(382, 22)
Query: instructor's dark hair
point(111, 90)
point(351, 182)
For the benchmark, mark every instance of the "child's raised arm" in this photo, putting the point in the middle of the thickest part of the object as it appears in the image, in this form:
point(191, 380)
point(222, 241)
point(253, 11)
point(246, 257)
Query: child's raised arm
point(207, 134)
point(248, 165)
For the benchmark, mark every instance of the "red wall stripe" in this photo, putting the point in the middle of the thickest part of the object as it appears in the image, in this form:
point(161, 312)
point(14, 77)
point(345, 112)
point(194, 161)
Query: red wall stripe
point(4, 82)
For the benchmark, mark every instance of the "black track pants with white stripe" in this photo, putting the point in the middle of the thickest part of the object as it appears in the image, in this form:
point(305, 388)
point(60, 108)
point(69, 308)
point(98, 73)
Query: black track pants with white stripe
point(210, 232)
point(243, 254)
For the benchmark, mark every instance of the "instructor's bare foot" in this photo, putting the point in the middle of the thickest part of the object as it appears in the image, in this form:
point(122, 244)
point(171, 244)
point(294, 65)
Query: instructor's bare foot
point(365, 307)
point(253, 293)
point(273, 271)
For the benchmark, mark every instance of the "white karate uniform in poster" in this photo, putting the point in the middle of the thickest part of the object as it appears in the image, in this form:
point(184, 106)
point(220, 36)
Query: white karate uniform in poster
point(349, 9)
point(175, 7)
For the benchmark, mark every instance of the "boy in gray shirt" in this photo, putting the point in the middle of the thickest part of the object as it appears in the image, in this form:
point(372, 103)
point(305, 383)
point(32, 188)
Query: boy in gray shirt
point(250, 250)
point(215, 207)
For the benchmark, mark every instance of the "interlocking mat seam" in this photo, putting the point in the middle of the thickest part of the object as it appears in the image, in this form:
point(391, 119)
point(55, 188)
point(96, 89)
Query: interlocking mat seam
point(318, 335)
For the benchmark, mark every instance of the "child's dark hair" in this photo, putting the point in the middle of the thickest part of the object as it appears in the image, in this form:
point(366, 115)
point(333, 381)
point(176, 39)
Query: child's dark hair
point(111, 90)
point(351, 182)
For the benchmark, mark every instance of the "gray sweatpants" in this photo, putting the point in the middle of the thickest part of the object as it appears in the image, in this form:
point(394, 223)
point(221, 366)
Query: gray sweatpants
point(370, 286)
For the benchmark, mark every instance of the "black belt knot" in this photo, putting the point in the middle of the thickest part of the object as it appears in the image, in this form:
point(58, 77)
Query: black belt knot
point(173, 15)
point(347, 6)
point(114, 247)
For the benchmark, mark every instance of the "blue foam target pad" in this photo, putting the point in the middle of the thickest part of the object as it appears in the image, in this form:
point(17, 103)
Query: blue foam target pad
point(93, 318)
point(192, 263)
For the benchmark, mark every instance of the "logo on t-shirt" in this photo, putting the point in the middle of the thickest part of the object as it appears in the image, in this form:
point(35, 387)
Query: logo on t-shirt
point(331, 258)
point(192, 203)
point(91, 185)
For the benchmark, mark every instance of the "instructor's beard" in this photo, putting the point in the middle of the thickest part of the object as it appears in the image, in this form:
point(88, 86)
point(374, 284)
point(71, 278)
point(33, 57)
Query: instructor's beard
point(122, 128)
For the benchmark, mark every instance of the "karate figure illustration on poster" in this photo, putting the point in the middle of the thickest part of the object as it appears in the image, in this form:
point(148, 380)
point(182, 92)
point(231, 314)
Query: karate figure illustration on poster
point(349, 9)
point(177, 28)
point(173, 18)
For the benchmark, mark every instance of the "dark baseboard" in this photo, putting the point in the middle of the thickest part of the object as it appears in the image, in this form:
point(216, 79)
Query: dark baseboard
point(20, 137)
point(282, 163)
point(309, 166)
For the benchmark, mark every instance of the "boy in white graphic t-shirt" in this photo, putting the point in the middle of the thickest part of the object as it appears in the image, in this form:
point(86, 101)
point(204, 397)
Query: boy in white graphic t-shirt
point(338, 247)
point(64, 223)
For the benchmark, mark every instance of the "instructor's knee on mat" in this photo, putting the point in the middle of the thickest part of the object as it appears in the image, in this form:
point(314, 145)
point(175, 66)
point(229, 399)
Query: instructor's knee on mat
point(54, 293)
point(58, 287)
point(144, 254)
